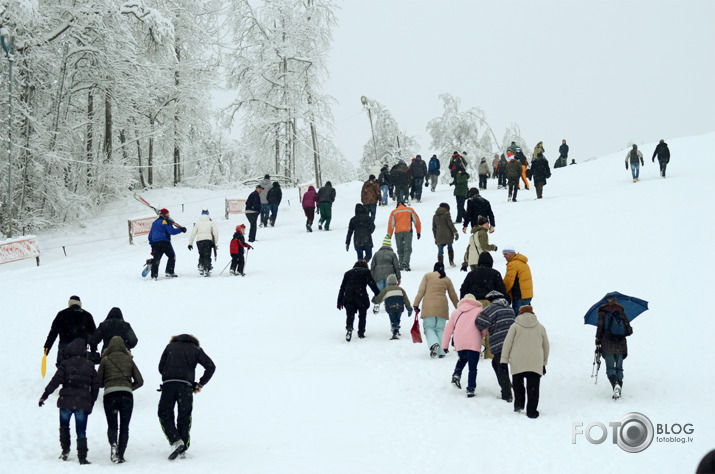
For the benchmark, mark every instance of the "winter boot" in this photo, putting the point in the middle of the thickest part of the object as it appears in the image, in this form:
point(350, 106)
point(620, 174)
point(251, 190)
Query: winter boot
point(273, 222)
point(376, 309)
point(616, 392)
point(440, 259)
point(455, 381)
point(65, 443)
point(394, 334)
point(613, 381)
point(113, 453)
point(177, 447)
point(451, 258)
point(470, 394)
point(433, 350)
point(82, 450)
point(349, 334)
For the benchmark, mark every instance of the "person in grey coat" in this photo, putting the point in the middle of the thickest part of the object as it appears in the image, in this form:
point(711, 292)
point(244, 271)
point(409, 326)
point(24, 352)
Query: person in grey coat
point(266, 184)
point(384, 263)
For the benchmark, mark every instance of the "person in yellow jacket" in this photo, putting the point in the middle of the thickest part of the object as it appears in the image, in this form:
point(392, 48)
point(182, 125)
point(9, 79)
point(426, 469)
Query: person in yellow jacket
point(517, 279)
point(400, 223)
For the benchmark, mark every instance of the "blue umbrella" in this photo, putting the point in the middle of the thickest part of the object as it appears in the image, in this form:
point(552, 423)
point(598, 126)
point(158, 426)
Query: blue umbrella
point(633, 307)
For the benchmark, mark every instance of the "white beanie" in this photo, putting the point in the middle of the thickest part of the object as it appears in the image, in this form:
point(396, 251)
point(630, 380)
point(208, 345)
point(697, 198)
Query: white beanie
point(508, 249)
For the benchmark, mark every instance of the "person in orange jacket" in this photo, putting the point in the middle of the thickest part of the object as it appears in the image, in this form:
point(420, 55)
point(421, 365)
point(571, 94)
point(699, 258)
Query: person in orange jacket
point(400, 223)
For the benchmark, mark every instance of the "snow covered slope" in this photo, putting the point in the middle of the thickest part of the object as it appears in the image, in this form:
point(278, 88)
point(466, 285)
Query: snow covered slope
point(290, 395)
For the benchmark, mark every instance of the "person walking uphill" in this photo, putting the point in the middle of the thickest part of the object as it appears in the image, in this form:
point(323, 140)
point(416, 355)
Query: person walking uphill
point(482, 280)
point(513, 173)
point(253, 209)
point(309, 201)
point(384, 181)
point(477, 245)
point(418, 171)
point(160, 241)
point(611, 332)
point(517, 279)
point(497, 318)
point(177, 367)
point(353, 297)
point(119, 376)
point(483, 172)
point(444, 233)
point(434, 288)
point(384, 263)
point(370, 196)
point(540, 172)
point(477, 206)
point(635, 158)
point(114, 325)
point(663, 153)
point(274, 197)
point(461, 191)
point(363, 227)
point(526, 350)
point(205, 232)
point(238, 243)
point(80, 388)
point(433, 172)
point(396, 300)
point(71, 323)
point(400, 223)
point(400, 179)
point(265, 211)
point(467, 341)
point(326, 198)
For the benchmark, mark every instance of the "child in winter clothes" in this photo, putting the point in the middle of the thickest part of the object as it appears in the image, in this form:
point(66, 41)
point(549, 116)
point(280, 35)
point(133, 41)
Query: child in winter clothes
point(80, 388)
point(395, 300)
point(526, 350)
point(238, 243)
point(467, 340)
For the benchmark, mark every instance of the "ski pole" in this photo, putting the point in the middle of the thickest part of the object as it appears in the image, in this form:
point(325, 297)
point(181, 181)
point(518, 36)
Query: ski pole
point(224, 268)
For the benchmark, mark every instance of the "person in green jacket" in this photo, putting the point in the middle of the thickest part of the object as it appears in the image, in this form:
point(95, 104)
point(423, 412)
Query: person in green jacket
point(461, 189)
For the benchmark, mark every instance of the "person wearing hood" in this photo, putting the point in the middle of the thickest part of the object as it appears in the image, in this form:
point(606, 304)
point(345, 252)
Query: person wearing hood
point(384, 181)
point(434, 289)
point(205, 232)
point(418, 171)
point(353, 297)
point(238, 243)
point(177, 367)
point(467, 340)
point(254, 208)
point(396, 300)
point(160, 240)
point(80, 388)
point(114, 325)
point(309, 201)
point(362, 226)
point(326, 198)
point(478, 244)
point(482, 280)
point(274, 197)
point(635, 158)
point(477, 206)
point(517, 280)
point(526, 350)
point(483, 172)
point(433, 172)
point(496, 318)
point(444, 233)
point(265, 211)
point(119, 376)
point(663, 153)
point(370, 196)
point(69, 324)
point(384, 263)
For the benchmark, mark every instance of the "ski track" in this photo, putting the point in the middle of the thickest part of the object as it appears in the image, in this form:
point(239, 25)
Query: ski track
point(290, 395)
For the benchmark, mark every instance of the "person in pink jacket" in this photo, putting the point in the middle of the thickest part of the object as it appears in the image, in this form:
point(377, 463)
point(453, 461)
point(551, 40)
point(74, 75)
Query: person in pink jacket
point(467, 340)
point(309, 202)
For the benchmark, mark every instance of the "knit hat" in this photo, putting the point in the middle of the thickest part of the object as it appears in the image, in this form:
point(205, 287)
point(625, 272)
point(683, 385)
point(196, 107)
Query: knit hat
point(469, 296)
point(164, 211)
point(205, 212)
point(472, 192)
point(240, 228)
point(387, 241)
point(494, 295)
point(508, 249)
point(371, 177)
point(74, 300)
point(481, 220)
point(267, 176)
point(526, 309)
point(259, 186)
point(391, 279)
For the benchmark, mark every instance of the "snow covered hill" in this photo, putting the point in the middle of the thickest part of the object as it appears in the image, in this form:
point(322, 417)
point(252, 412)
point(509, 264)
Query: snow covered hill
point(290, 395)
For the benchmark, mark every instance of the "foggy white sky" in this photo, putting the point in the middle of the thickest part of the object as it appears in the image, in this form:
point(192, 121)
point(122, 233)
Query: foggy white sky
point(598, 73)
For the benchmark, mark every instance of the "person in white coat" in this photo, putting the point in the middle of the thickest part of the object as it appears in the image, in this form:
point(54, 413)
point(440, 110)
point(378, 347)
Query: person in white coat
point(205, 232)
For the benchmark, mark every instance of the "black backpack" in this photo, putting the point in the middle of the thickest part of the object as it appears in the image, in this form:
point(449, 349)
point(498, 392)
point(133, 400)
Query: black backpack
point(615, 326)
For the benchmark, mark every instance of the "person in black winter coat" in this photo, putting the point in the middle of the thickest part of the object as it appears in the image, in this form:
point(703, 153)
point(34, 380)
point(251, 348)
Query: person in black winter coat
point(418, 171)
point(539, 172)
point(385, 186)
point(483, 279)
point(477, 206)
point(363, 227)
point(114, 325)
point(80, 388)
point(253, 210)
point(178, 371)
point(70, 324)
point(274, 200)
point(663, 153)
point(400, 179)
point(353, 296)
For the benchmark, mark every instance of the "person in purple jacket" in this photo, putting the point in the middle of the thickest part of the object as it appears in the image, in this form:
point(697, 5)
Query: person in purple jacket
point(80, 388)
point(309, 202)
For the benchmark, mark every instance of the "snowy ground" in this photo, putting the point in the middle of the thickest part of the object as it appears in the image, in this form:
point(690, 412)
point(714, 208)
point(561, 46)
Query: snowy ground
point(290, 395)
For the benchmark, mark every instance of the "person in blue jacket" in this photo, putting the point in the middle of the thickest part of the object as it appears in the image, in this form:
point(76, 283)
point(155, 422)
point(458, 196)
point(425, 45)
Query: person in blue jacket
point(160, 240)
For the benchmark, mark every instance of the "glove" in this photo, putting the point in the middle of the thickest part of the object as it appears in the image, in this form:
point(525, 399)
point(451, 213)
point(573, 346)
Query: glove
point(399, 281)
point(347, 247)
point(198, 388)
point(626, 165)
point(426, 184)
point(446, 351)
point(598, 342)
point(456, 236)
point(496, 248)
point(340, 307)
point(642, 163)
point(544, 370)
point(183, 229)
point(191, 247)
point(418, 236)
point(491, 230)
point(409, 313)
point(653, 160)
point(249, 246)
point(464, 229)
point(464, 267)
point(42, 401)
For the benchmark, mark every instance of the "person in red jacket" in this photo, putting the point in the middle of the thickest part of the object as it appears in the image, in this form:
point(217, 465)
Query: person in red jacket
point(238, 243)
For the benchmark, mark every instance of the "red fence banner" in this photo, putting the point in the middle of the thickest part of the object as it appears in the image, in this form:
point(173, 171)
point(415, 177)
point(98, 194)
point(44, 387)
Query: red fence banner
point(12, 251)
point(235, 206)
point(139, 227)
